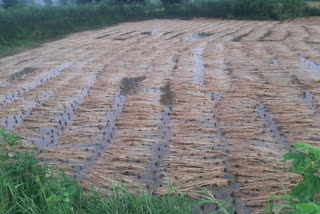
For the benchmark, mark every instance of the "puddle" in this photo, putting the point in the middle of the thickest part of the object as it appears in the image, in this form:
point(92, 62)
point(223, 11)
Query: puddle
point(150, 32)
point(4, 83)
point(110, 129)
point(152, 176)
point(308, 99)
point(275, 62)
point(109, 134)
point(11, 122)
point(196, 37)
point(129, 84)
point(167, 96)
point(150, 69)
point(16, 95)
point(21, 74)
point(49, 137)
point(313, 66)
point(214, 96)
point(199, 66)
point(226, 193)
point(18, 76)
point(272, 127)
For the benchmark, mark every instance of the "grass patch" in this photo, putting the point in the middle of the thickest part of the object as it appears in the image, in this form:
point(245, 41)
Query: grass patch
point(304, 198)
point(28, 186)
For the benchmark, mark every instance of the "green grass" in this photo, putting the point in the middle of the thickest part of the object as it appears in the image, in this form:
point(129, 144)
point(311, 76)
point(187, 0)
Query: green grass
point(28, 186)
point(305, 197)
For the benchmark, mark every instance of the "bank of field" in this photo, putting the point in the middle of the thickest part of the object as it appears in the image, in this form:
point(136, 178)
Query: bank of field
point(23, 26)
point(213, 103)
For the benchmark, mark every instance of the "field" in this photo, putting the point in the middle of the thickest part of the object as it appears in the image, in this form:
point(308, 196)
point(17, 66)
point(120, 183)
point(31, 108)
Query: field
point(208, 102)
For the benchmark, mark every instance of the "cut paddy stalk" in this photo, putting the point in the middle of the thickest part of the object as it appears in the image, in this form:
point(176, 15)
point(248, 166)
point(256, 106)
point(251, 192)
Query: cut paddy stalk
point(218, 111)
point(16, 95)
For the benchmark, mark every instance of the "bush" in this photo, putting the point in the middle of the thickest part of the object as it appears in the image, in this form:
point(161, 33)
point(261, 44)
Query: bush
point(11, 3)
point(28, 25)
point(28, 186)
point(167, 2)
point(304, 198)
point(131, 1)
point(293, 8)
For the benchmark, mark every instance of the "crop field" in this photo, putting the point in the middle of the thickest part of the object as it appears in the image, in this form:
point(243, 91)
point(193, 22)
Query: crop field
point(207, 102)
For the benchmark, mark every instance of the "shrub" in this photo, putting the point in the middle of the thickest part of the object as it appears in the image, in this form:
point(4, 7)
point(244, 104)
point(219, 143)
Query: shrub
point(293, 8)
point(131, 1)
point(11, 3)
point(31, 187)
point(304, 198)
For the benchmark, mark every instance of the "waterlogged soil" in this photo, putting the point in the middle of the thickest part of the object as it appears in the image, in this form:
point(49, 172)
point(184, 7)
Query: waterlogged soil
point(205, 102)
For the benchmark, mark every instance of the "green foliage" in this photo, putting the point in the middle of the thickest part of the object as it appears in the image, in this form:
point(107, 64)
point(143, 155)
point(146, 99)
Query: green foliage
point(253, 9)
point(293, 8)
point(305, 197)
point(131, 1)
point(11, 3)
point(21, 26)
point(30, 187)
point(166, 3)
point(223, 207)
point(48, 2)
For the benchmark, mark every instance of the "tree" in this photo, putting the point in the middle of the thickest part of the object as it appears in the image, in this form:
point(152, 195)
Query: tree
point(63, 2)
point(48, 2)
point(10, 3)
point(293, 8)
point(87, 1)
point(173, 1)
point(131, 1)
point(167, 2)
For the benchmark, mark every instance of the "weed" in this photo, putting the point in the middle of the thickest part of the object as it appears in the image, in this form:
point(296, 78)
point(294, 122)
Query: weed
point(304, 198)
point(29, 186)
point(223, 207)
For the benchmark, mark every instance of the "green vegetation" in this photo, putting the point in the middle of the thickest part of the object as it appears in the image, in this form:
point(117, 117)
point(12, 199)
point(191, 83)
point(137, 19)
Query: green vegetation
point(305, 197)
point(27, 186)
point(22, 27)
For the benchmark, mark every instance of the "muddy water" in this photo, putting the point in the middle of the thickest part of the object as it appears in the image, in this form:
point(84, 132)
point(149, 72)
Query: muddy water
point(17, 94)
point(273, 128)
point(109, 134)
point(199, 66)
point(196, 37)
point(240, 92)
point(312, 66)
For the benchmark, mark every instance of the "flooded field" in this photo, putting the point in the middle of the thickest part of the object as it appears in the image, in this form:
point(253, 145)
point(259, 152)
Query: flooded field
point(212, 103)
